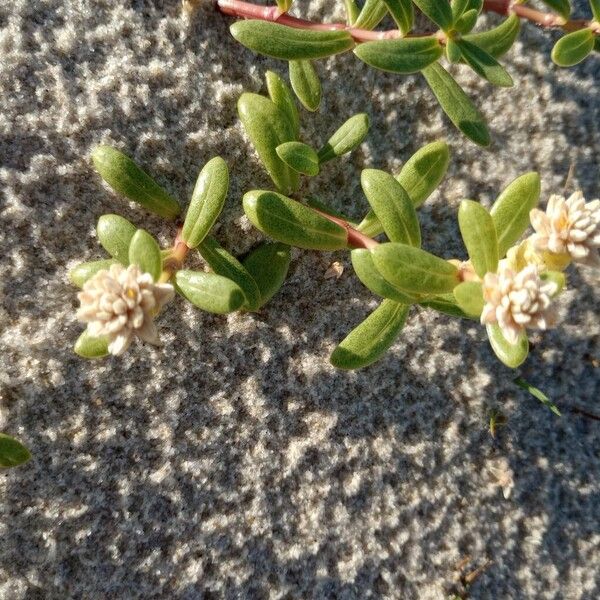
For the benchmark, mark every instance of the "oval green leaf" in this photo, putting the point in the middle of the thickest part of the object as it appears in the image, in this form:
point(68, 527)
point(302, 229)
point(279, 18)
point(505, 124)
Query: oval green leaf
point(404, 55)
point(126, 178)
point(446, 304)
point(456, 104)
point(499, 40)
point(469, 297)
point(144, 251)
point(510, 212)
point(350, 135)
point(595, 6)
point(268, 127)
point(292, 223)
point(453, 53)
point(87, 346)
point(484, 64)
point(392, 207)
point(12, 452)
point(84, 271)
point(268, 264)
point(281, 95)
point(305, 83)
point(115, 233)
point(413, 270)
point(467, 21)
point(300, 157)
point(439, 12)
point(207, 201)
point(372, 338)
point(420, 176)
point(209, 291)
point(372, 279)
point(289, 43)
point(403, 13)
point(479, 235)
point(226, 265)
point(572, 48)
point(512, 355)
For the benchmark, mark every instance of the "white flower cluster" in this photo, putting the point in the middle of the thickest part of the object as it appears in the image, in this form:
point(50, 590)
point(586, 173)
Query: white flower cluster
point(120, 303)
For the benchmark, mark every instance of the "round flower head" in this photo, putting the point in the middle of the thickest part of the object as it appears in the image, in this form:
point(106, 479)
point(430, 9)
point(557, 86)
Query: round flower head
point(568, 227)
point(517, 300)
point(121, 303)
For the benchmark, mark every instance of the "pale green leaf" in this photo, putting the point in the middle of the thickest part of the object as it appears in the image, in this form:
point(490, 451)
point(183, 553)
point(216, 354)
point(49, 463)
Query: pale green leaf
point(447, 304)
point(144, 252)
point(207, 201)
point(281, 95)
point(371, 14)
point(573, 47)
point(84, 271)
point(115, 233)
point(484, 64)
point(510, 212)
point(469, 297)
point(292, 223)
point(512, 355)
point(403, 13)
point(126, 178)
point(268, 264)
point(350, 135)
point(538, 394)
point(289, 43)
point(87, 346)
point(438, 11)
point(300, 157)
point(209, 291)
point(499, 40)
point(305, 83)
point(372, 338)
point(479, 235)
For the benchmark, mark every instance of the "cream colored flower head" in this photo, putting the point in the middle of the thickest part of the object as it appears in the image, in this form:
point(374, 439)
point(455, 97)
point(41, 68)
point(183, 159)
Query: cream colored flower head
point(518, 300)
point(121, 303)
point(568, 227)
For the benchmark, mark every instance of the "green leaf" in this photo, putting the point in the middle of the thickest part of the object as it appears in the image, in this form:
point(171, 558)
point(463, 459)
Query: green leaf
point(300, 157)
point(419, 177)
point(402, 55)
point(372, 338)
point(446, 303)
point(352, 11)
point(207, 201)
point(537, 393)
point(126, 178)
point(268, 264)
point(572, 48)
point(366, 271)
point(305, 83)
point(484, 64)
point(84, 271)
point(562, 7)
point(87, 346)
point(284, 5)
point(403, 13)
point(371, 14)
point(469, 297)
point(456, 104)
point(281, 95)
point(289, 43)
point(479, 235)
point(268, 127)
point(292, 223)
point(453, 53)
point(392, 206)
point(595, 6)
point(115, 233)
point(439, 12)
point(144, 251)
point(209, 291)
point(499, 40)
point(510, 212)
point(467, 21)
point(556, 277)
point(12, 452)
point(350, 135)
point(413, 270)
point(512, 355)
point(223, 263)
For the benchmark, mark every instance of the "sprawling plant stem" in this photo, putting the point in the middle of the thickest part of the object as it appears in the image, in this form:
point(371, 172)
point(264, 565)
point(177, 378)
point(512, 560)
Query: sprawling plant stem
point(356, 239)
point(247, 10)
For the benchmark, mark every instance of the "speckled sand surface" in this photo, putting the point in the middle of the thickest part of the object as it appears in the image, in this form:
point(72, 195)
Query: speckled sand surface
point(234, 462)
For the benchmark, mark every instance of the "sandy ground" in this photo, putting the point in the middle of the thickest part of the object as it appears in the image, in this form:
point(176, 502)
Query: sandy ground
point(235, 462)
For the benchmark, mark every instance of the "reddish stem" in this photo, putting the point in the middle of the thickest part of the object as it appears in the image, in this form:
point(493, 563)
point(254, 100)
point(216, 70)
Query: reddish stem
point(356, 239)
point(175, 259)
point(246, 10)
